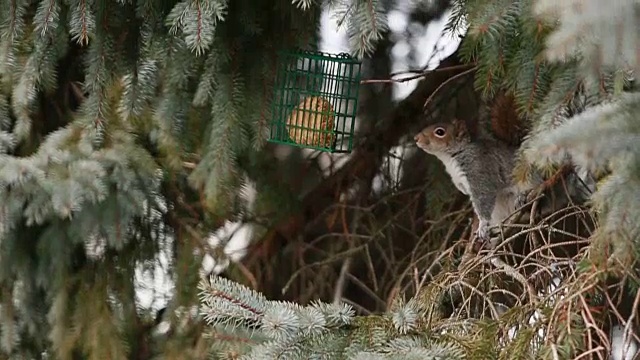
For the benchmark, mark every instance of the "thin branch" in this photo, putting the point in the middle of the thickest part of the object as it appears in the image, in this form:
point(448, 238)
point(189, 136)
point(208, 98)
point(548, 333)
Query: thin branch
point(418, 74)
point(454, 77)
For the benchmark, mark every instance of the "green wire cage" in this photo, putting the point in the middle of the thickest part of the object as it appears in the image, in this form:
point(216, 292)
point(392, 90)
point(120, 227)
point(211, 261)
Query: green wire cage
point(315, 101)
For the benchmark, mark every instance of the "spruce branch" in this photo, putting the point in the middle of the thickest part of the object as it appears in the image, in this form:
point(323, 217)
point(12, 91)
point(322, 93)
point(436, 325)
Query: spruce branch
point(287, 325)
point(38, 73)
point(602, 36)
point(82, 23)
point(302, 4)
point(47, 17)
point(170, 112)
point(197, 21)
point(7, 139)
point(593, 138)
point(414, 348)
point(231, 303)
point(221, 155)
point(208, 82)
point(12, 29)
point(365, 22)
point(406, 316)
point(176, 18)
point(456, 24)
point(10, 333)
point(139, 87)
point(319, 330)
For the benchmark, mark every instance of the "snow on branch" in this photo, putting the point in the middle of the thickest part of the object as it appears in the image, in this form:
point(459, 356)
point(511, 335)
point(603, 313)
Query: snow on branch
point(229, 302)
point(608, 35)
point(282, 329)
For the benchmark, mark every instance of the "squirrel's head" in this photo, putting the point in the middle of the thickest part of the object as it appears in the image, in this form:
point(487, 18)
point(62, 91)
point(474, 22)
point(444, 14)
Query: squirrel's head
point(443, 137)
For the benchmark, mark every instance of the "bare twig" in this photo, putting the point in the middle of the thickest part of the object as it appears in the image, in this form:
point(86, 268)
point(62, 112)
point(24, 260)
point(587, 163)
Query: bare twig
point(457, 76)
point(418, 74)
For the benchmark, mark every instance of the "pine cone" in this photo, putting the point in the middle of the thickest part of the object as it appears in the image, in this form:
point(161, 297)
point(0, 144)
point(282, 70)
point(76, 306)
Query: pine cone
point(311, 123)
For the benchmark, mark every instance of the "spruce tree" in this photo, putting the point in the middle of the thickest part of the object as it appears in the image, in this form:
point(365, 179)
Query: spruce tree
point(130, 130)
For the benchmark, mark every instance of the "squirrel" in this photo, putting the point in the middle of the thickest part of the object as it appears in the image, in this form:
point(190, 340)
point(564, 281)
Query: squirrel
point(480, 168)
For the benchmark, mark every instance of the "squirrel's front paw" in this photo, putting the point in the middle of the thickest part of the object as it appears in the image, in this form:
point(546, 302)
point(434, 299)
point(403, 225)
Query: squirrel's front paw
point(482, 234)
point(523, 198)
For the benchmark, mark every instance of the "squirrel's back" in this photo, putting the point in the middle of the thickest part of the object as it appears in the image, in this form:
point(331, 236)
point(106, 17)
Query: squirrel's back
point(488, 161)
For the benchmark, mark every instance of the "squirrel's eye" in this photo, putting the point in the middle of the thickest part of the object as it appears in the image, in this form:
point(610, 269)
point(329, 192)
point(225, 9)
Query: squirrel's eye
point(439, 132)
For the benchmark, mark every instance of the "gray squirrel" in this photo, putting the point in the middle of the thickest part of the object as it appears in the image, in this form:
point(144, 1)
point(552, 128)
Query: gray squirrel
point(480, 168)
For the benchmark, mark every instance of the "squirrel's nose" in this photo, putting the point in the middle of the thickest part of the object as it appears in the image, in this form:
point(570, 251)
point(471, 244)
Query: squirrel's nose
point(417, 137)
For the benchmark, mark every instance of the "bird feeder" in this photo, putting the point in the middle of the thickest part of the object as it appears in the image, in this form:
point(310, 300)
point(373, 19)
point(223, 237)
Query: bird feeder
point(315, 101)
